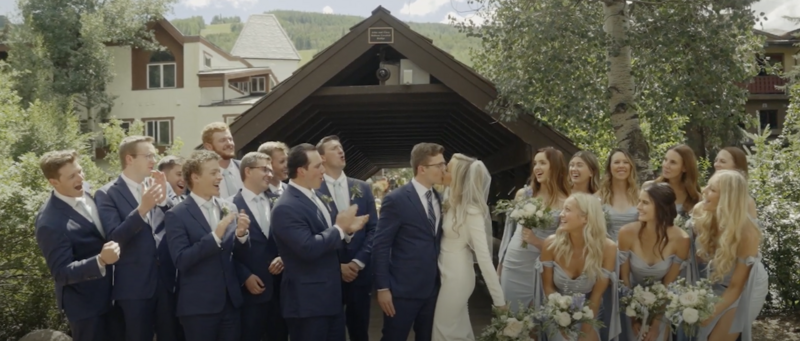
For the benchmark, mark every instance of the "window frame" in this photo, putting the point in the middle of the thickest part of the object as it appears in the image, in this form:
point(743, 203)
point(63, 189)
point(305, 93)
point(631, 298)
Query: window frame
point(157, 121)
point(161, 75)
point(263, 82)
point(207, 60)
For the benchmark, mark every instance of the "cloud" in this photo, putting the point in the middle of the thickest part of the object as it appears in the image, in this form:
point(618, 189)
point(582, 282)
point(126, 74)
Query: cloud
point(197, 4)
point(776, 18)
point(327, 10)
point(477, 19)
point(423, 7)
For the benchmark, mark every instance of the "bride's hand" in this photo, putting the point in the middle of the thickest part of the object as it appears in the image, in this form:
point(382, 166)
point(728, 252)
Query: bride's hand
point(502, 309)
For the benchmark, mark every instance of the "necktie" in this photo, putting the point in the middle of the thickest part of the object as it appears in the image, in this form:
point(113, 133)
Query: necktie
point(229, 186)
point(263, 219)
point(340, 195)
point(320, 209)
point(431, 213)
point(210, 215)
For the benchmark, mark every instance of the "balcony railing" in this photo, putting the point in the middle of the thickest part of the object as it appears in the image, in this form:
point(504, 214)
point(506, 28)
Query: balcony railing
point(766, 85)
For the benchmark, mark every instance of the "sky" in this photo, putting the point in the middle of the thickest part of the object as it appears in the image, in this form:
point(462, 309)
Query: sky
point(407, 10)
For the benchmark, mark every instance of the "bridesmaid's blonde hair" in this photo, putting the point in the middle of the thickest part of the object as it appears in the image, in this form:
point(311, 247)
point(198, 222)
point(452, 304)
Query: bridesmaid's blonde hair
point(594, 235)
point(720, 232)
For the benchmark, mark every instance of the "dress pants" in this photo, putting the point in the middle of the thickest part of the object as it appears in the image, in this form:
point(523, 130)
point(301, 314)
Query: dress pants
point(408, 312)
point(322, 328)
point(277, 330)
point(357, 302)
point(224, 326)
point(90, 329)
point(156, 315)
point(254, 321)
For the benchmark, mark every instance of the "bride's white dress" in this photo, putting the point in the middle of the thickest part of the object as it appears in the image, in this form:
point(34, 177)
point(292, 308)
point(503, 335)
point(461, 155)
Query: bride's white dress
point(451, 318)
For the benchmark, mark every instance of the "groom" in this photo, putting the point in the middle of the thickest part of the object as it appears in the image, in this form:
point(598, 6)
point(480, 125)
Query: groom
point(406, 248)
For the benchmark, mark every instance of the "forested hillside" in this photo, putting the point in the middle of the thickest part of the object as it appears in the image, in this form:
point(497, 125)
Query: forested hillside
point(311, 32)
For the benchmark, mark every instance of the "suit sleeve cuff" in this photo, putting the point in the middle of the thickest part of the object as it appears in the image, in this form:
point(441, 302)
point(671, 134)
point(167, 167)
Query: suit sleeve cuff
point(216, 239)
point(359, 263)
point(385, 289)
point(343, 235)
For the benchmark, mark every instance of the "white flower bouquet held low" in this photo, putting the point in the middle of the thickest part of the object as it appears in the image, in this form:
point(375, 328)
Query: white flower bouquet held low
point(645, 302)
point(566, 314)
point(690, 305)
point(531, 213)
point(508, 326)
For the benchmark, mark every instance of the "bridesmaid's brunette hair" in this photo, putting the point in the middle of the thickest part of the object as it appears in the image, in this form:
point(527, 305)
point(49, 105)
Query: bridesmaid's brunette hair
point(689, 177)
point(739, 159)
point(663, 200)
point(557, 183)
point(594, 167)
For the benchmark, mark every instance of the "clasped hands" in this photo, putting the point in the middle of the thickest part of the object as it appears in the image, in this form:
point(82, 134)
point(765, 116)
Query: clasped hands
point(242, 224)
point(349, 222)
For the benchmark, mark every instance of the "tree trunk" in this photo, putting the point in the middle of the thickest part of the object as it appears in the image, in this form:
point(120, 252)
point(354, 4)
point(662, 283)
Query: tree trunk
point(696, 139)
point(621, 88)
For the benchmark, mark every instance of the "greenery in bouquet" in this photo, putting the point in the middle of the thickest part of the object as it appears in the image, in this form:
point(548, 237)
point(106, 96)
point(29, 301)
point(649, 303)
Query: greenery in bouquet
point(566, 314)
point(645, 302)
point(690, 305)
point(509, 326)
point(681, 221)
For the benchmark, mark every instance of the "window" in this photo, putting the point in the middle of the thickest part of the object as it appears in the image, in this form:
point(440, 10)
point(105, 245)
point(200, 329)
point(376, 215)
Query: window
point(161, 71)
point(126, 126)
point(207, 59)
point(258, 84)
point(768, 117)
point(160, 130)
point(242, 86)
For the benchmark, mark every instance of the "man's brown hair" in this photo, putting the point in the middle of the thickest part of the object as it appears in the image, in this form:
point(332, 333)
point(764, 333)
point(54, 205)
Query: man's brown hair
point(272, 146)
point(212, 128)
point(128, 147)
point(51, 162)
point(326, 139)
point(422, 152)
point(194, 164)
point(249, 161)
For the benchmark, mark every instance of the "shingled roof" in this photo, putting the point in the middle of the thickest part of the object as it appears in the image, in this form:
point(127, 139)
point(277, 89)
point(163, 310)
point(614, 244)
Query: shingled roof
point(263, 37)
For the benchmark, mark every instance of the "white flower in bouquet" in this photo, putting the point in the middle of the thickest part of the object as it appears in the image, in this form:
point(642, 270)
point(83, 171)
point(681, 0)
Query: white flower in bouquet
point(563, 319)
point(513, 327)
point(689, 298)
point(563, 314)
point(588, 312)
point(690, 315)
point(645, 302)
point(691, 304)
point(531, 213)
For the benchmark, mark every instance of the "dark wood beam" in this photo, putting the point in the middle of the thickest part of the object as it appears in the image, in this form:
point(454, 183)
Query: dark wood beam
point(367, 90)
point(509, 157)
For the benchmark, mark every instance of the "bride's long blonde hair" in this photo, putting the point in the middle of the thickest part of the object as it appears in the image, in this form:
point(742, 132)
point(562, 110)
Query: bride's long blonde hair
point(720, 232)
point(594, 235)
point(469, 187)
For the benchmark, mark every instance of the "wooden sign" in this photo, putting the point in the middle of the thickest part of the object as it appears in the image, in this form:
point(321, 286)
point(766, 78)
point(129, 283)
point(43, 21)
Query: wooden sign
point(380, 35)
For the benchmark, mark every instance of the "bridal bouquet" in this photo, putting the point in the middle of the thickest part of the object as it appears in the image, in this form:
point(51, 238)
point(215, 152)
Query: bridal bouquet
point(507, 326)
point(645, 302)
point(564, 314)
point(680, 222)
point(531, 213)
point(690, 304)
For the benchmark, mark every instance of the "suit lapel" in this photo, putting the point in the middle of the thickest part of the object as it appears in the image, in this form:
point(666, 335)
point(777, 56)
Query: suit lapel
point(126, 192)
point(196, 213)
point(75, 216)
point(307, 201)
point(240, 202)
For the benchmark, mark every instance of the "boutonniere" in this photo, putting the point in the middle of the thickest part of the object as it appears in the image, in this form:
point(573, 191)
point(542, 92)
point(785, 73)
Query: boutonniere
point(272, 200)
point(327, 200)
point(225, 211)
point(355, 192)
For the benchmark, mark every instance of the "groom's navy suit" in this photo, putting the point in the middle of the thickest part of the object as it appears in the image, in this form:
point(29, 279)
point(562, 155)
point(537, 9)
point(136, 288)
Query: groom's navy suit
point(405, 255)
point(357, 294)
point(311, 289)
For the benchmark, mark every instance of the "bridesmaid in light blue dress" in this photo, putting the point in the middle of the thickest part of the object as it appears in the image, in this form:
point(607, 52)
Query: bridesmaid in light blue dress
point(679, 170)
point(652, 248)
point(517, 262)
point(579, 259)
point(734, 267)
point(584, 173)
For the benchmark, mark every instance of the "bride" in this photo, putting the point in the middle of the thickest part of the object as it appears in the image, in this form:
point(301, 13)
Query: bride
point(467, 228)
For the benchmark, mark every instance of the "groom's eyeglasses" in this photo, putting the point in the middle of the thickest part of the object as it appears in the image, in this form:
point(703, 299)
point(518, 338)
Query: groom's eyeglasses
point(438, 165)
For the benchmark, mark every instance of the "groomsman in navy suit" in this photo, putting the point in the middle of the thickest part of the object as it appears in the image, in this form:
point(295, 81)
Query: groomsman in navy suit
point(218, 139)
point(70, 234)
point(203, 232)
point(406, 248)
point(260, 262)
point(308, 236)
point(132, 212)
point(354, 256)
point(172, 167)
point(277, 330)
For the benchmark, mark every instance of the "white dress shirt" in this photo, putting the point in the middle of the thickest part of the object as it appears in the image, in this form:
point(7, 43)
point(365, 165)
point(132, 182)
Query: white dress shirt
point(277, 190)
point(341, 181)
point(92, 216)
point(236, 178)
point(320, 206)
point(421, 190)
point(200, 202)
point(252, 203)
